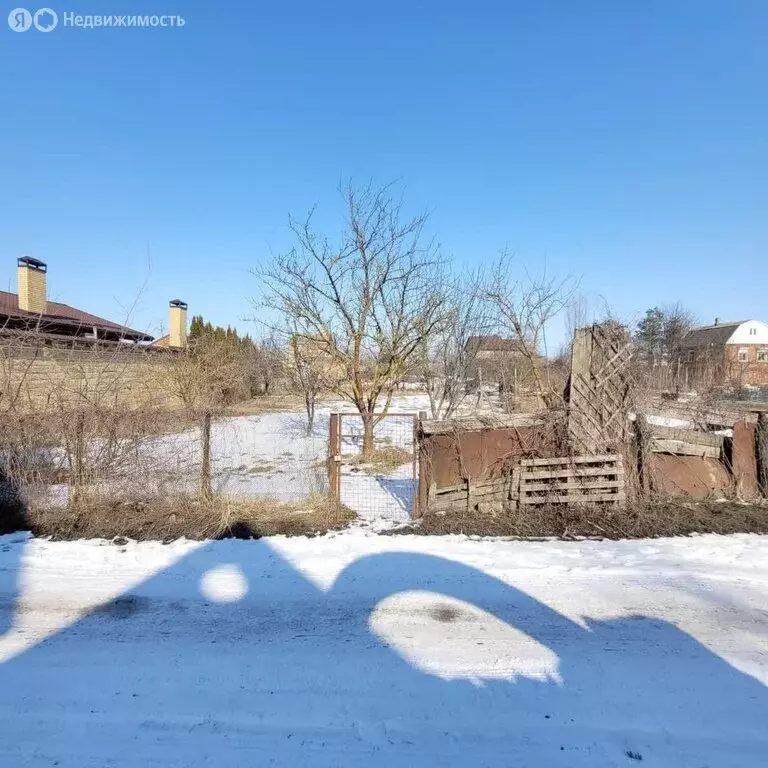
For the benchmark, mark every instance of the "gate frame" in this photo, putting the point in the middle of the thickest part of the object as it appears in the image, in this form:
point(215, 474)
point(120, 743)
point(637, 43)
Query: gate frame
point(335, 433)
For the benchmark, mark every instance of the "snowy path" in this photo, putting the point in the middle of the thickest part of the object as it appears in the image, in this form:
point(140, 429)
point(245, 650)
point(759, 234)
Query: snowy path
point(355, 650)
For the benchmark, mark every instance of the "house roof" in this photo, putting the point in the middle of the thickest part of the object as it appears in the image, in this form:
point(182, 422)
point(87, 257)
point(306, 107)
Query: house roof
point(63, 314)
point(493, 343)
point(714, 335)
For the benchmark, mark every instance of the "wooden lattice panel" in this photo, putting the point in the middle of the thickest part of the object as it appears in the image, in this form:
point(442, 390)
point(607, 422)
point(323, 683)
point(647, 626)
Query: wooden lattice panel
point(598, 390)
point(571, 480)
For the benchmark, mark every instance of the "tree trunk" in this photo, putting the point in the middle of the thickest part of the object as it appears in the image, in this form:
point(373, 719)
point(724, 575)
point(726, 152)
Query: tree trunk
point(309, 402)
point(206, 488)
point(367, 435)
point(433, 406)
point(77, 465)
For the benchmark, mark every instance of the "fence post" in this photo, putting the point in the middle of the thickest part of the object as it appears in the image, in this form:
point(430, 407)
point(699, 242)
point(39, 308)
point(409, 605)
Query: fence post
point(420, 451)
point(762, 451)
point(206, 488)
point(744, 459)
point(334, 458)
point(644, 456)
point(78, 480)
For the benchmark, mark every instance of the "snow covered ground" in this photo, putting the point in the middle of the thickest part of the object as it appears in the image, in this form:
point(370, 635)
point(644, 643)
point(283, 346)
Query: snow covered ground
point(355, 649)
point(271, 455)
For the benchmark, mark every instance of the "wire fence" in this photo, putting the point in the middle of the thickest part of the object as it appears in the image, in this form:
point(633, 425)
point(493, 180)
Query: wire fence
point(381, 486)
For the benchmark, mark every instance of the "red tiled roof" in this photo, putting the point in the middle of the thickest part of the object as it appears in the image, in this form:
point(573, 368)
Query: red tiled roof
point(56, 312)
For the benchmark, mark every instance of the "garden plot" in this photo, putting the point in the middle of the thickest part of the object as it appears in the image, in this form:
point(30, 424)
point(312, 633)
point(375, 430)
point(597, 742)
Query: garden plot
point(271, 455)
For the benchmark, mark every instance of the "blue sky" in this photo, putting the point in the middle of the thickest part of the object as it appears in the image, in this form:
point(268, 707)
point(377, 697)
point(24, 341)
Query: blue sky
point(625, 143)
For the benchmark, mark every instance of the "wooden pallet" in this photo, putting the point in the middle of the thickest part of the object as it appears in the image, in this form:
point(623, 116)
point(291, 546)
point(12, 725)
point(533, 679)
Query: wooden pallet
point(467, 495)
point(571, 480)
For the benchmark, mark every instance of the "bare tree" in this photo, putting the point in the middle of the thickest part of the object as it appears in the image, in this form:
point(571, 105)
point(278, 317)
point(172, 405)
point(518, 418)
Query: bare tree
point(272, 356)
point(207, 376)
point(367, 301)
point(679, 320)
point(306, 375)
point(524, 304)
point(264, 361)
point(447, 358)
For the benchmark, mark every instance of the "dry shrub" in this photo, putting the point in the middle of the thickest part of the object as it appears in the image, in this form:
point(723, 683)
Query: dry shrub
point(381, 461)
point(668, 517)
point(272, 403)
point(166, 519)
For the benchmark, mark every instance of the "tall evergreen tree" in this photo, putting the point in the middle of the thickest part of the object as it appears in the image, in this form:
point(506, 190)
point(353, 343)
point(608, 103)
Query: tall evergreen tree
point(659, 334)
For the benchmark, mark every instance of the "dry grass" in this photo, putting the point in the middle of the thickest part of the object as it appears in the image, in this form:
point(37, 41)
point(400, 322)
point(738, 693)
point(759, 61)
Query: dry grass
point(668, 517)
point(382, 461)
point(266, 404)
point(168, 519)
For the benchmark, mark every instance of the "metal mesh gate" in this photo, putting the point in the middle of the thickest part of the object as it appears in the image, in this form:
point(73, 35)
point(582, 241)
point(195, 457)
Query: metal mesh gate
point(382, 486)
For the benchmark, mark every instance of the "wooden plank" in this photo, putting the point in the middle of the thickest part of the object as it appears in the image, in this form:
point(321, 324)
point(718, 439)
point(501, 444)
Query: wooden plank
point(750, 405)
point(480, 423)
point(565, 485)
point(491, 490)
point(695, 437)
point(712, 416)
point(447, 497)
point(503, 480)
point(569, 499)
point(681, 448)
point(448, 507)
point(605, 458)
point(571, 473)
point(458, 507)
point(514, 488)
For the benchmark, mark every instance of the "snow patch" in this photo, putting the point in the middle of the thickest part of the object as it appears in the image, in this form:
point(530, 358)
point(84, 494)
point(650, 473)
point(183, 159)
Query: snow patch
point(224, 584)
point(453, 639)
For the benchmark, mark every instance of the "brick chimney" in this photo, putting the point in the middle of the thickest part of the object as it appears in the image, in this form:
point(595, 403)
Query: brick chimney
point(177, 334)
point(32, 285)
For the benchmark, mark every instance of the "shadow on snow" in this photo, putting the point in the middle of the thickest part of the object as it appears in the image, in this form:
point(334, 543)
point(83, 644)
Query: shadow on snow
point(293, 675)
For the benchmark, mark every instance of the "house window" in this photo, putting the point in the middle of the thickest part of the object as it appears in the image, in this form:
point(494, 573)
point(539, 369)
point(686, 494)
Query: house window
point(762, 355)
point(743, 354)
point(753, 331)
point(691, 355)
